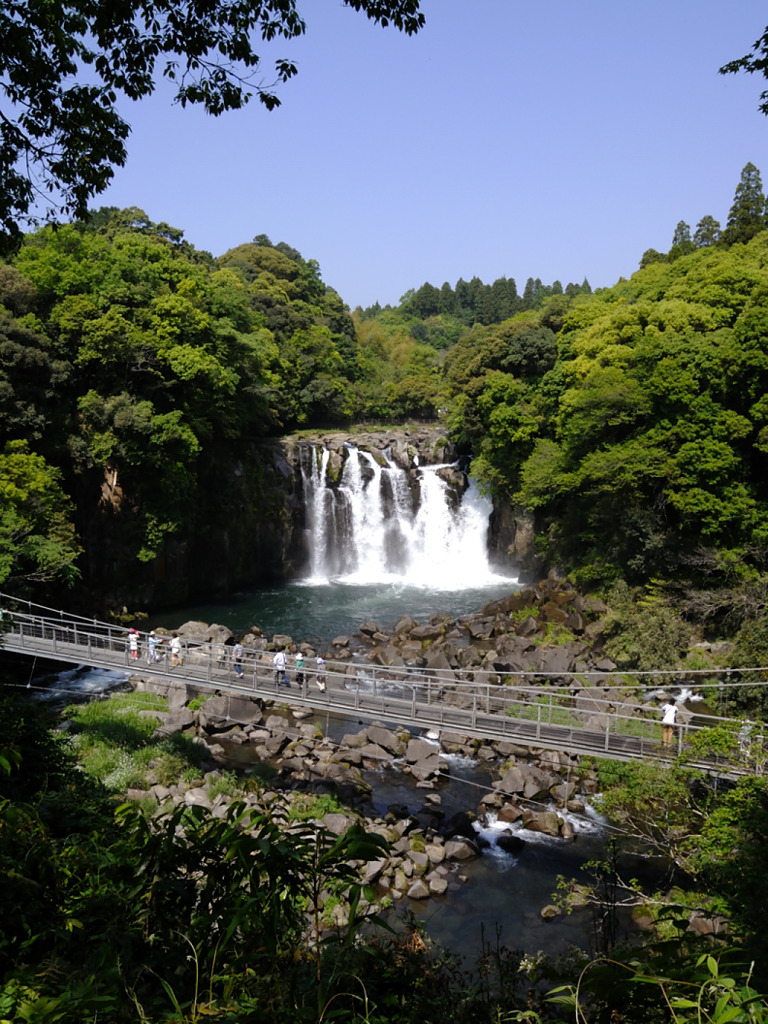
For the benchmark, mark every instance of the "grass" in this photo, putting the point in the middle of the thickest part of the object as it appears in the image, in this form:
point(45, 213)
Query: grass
point(305, 807)
point(558, 710)
point(115, 743)
point(227, 784)
point(552, 711)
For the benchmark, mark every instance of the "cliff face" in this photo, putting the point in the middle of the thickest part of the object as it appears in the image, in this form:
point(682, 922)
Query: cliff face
point(246, 526)
point(237, 532)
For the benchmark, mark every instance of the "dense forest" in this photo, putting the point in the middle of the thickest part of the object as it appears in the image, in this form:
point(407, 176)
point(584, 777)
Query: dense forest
point(630, 422)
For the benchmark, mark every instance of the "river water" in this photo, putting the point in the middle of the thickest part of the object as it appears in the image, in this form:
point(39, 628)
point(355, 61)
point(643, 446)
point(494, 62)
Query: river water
point(317, 610)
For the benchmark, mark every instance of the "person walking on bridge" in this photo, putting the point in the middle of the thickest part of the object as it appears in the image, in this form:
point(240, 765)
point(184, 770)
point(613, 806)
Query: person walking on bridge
point(669, 711)
point(176, 658)
point(237, 658)
point(153, 641)
point(279, 662)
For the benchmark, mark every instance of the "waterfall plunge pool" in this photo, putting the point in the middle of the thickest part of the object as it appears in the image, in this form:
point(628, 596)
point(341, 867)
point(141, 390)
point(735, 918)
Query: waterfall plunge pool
point(316, 611)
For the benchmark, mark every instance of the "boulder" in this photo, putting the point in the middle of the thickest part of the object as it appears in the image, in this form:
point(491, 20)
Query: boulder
point(339, 824)
point(510, 843)
point(513, 781)
point(437, 660)
point(563, 792)
point(387, 739)
point(509, 812)
point(174, 721)
point(373, 752)
point(546, 822)
point(389, 656)
point(419, 750)
point(553, 660)
point(437, 884)
point(428, 632)
point(404, 625)
point(461, 849)
point(419, 890)
point(527, 627)
point(459, 824)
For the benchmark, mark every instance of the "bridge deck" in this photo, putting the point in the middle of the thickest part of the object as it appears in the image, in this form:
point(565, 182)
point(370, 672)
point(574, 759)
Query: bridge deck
point(548, 716)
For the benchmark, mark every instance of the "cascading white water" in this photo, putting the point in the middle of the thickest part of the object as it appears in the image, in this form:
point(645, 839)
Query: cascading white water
point(319, 501)
point(380, 526)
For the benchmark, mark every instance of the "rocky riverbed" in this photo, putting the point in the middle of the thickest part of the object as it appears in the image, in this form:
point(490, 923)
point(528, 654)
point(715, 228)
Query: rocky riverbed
point(529, 790)
point(529, 787)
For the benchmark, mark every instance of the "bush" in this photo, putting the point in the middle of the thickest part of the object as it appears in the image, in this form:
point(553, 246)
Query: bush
point(642, 632)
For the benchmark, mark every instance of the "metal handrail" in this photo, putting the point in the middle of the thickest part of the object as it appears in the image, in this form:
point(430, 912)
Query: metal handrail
point(413, 696)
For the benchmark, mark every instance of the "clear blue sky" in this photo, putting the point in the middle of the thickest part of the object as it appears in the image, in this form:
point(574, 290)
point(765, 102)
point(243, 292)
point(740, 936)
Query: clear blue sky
point(509, 138)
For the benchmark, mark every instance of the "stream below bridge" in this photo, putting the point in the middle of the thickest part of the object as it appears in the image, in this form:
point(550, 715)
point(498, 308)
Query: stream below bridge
point(502, 890)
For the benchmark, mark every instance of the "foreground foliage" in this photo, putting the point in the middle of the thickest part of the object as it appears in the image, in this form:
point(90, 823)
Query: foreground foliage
point(110, 916)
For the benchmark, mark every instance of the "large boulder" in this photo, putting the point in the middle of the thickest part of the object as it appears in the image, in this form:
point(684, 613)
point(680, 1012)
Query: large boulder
point(387, 739)
point(546, 822)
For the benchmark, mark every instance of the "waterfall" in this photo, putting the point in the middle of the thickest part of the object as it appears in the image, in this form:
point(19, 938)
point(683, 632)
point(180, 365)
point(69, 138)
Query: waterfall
point(383, 524)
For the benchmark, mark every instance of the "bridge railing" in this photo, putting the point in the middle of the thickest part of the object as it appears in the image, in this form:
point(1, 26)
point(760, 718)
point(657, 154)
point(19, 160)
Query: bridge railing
point(609, 723)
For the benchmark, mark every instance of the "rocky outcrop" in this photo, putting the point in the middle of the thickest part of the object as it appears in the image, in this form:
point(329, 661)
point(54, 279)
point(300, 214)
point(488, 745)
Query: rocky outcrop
point(506, 637)
point(408, 447)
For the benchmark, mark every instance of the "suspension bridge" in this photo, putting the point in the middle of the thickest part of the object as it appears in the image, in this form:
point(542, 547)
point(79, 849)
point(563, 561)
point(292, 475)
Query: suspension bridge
point(611, 715)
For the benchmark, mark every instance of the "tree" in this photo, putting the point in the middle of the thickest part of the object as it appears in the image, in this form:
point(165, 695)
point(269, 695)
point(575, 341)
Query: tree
point(651, 256)
point(64, 65)
point(747, 214)
point(37, 538)
point(681, 242)
point(707, 232)
point(425, 301)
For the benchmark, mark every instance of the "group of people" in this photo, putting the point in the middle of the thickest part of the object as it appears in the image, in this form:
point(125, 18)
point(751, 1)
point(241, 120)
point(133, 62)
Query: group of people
point(280, 662)
point(153, 644)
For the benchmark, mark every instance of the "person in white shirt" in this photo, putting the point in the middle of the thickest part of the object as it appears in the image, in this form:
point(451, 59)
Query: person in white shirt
point(669, 711)
point(280, 673)
point(237, 658)
point(176, 658)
